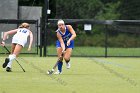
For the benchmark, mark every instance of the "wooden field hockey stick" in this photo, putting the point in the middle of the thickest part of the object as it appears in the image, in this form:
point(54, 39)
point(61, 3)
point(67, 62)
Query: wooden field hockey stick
point(54, 67)
point(15, 59)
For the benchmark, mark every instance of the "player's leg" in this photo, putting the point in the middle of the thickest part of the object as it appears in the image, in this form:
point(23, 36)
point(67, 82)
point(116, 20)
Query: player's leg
point(8, 69)
point(68, 54)
point(7, 59)
point(16, 50)
point(60, 63)
point(13, 48)
point(67, 57)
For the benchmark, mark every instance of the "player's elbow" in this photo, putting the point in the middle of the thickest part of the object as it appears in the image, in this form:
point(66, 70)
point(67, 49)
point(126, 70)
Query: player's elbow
point(74, 35)
point(5, 35)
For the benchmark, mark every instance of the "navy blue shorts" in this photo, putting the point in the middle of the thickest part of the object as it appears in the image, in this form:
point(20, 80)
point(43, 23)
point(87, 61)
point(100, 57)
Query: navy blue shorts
point(70, 46)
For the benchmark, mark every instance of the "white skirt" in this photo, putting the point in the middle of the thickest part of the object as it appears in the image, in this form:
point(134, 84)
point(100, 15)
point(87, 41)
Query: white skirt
point(21, 41)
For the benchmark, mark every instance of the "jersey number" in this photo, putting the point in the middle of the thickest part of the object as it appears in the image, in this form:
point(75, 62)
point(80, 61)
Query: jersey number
point(23, 31)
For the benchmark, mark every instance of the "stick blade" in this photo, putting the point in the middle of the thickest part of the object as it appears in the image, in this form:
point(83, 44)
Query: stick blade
point(23, 70)
point(50, 72)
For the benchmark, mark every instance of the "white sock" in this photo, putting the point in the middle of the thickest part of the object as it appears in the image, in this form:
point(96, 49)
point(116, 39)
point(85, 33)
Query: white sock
point(9, 64)
point(11, 58)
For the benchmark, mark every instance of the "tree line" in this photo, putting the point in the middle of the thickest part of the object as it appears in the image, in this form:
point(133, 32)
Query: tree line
point(95, 9)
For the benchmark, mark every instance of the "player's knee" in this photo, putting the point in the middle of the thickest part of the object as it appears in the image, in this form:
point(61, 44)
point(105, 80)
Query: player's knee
point(60, 58)
point(67, 59)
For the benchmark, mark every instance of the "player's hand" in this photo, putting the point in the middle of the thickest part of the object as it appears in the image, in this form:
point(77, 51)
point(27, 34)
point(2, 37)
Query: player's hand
point(68, 42)
point(63, 51)
point(2, 43)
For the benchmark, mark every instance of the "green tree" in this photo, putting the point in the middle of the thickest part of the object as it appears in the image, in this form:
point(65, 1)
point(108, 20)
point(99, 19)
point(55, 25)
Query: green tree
point(77, 9)
point(130, 10)
point(109, 12)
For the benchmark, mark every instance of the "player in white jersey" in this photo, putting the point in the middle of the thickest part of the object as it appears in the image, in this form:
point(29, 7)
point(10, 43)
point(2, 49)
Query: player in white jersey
point(18, 42)
point(22, 33)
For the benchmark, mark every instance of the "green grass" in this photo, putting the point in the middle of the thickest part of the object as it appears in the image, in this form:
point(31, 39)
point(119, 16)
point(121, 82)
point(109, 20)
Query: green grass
point(87, 75)
point(87, 51)
point(100, 51)
point(24, 50)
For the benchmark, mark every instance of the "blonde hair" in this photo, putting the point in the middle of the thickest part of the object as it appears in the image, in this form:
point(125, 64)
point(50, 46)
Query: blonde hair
point(24, 25)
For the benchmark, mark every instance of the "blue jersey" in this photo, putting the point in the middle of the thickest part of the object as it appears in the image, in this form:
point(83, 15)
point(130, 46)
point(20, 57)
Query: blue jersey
point(66, 36)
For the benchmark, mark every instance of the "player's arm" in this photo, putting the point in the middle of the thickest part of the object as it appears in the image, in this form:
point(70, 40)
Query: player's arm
point(71, 30)
point(61, 42)
point(6, 34)
point(31, 40)
point(9, 33)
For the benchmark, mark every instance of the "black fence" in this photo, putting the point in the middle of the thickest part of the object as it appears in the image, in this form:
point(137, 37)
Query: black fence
point(108, 38)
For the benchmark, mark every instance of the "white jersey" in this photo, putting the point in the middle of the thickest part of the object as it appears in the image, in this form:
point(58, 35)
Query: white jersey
point(22, 33)
point(21, 36)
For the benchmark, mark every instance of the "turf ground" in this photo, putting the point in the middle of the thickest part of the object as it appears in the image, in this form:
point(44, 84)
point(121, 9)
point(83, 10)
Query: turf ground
point(87, 75)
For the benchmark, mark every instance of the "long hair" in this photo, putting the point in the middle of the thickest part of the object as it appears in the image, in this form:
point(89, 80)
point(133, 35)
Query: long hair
point(24, 25)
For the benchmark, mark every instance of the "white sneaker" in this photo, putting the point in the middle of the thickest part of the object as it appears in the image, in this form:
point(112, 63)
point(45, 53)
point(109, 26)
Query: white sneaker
point(68, 65)
point(57, 72)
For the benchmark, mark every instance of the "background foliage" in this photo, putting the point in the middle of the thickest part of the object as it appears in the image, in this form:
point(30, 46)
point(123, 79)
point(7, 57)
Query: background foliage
point(93, 9)
point(125, 9)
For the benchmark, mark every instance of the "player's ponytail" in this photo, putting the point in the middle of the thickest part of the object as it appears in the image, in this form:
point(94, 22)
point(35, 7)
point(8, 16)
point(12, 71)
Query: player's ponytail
point(24, 25)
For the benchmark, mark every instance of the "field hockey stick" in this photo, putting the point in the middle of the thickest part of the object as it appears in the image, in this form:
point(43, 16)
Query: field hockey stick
point(54, 67)
point(15, 59)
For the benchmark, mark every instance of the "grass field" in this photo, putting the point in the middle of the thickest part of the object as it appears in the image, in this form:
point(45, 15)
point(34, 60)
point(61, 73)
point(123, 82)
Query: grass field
point(87, 75)
point(100, 51)
point(86, 51)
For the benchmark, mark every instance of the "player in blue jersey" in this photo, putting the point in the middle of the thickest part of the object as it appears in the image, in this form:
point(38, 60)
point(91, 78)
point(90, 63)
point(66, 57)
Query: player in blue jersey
point(18, 41)
point(64, 44)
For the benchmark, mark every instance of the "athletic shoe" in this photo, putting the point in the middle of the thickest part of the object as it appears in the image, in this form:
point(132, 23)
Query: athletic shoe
point(57, 72)
point(68, 65)
point(5, 63)
point(8, 69)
